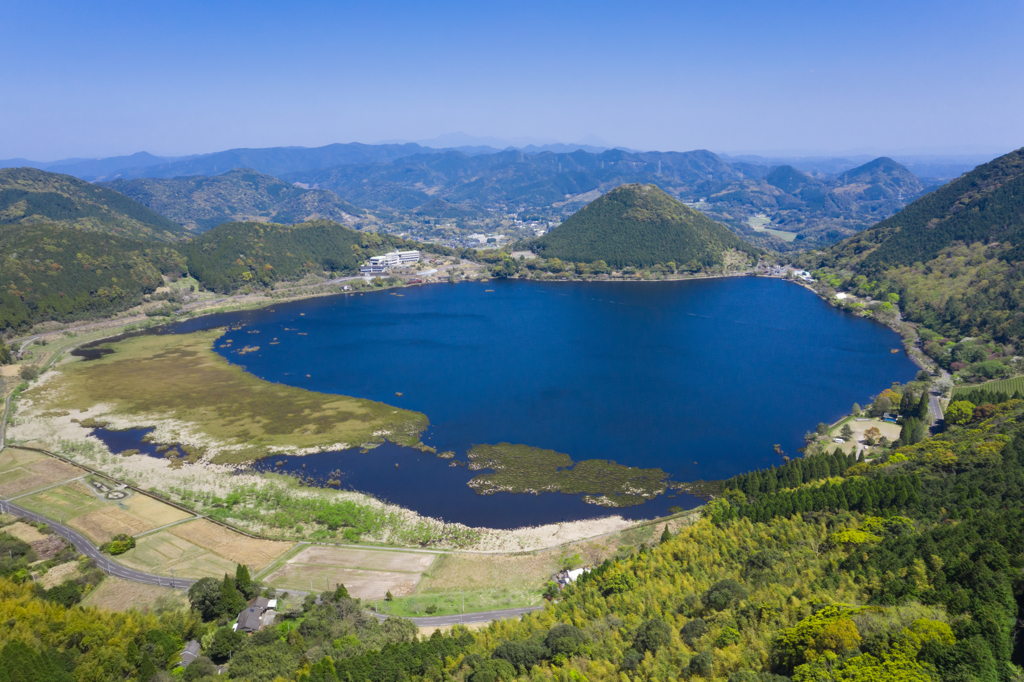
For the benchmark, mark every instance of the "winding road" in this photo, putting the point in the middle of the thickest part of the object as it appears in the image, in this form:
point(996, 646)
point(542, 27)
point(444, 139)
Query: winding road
point(83, 545)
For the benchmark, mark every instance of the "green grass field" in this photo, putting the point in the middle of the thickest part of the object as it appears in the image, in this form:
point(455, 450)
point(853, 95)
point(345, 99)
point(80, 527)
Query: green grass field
point(1010, 386)
point(451, 603)
point(63, 502)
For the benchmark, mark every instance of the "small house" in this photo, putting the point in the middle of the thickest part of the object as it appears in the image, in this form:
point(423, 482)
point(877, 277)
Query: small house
point(190, 653)
point(249, 620)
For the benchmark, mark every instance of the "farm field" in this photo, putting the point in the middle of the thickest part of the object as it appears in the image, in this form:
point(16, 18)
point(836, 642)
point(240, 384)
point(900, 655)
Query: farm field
point(132, 516)
point(367, 574)
point(115, 594)
point(1000, 386)
point(369, 559)
point(22, 471)
point(234, 547)
point(162, 552)
point(63, 502)
point(359, 583)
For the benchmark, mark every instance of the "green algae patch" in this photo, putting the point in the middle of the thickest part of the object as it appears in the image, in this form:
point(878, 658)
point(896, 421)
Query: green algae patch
point(526, 469)
point(237, 416)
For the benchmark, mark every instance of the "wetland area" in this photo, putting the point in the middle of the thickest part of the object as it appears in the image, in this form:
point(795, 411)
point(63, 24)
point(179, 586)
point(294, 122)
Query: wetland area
point(679, 380)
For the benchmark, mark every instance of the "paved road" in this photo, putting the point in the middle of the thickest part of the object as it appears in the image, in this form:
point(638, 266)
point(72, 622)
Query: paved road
point(83, 545)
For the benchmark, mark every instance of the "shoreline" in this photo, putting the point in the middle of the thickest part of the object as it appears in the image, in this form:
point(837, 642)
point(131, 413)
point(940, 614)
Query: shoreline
point(258, 302)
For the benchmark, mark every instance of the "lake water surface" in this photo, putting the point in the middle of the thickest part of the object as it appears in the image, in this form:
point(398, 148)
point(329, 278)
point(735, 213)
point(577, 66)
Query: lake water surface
point(700, 378)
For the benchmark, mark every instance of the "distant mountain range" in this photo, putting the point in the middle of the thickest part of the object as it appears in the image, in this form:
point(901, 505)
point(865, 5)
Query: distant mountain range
point(200, 202)
point(640, 226)
point(783, 206)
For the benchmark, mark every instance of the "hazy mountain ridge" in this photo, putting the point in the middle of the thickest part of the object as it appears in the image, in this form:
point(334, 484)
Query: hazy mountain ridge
point(201, 202)
point(28, 195)
point(639, 226)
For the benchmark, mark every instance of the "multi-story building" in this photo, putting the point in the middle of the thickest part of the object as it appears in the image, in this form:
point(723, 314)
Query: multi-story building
point(380, 264)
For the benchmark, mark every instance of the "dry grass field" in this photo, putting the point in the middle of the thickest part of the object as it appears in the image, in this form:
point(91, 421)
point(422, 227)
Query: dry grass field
point(24, 532)
point(58, 574)
point(360, 583)
point(233, 547)
point(163, 551)
point(114, 594)
point(22, 471)
point(366, 573)
point(454, 572)
point(368, 559)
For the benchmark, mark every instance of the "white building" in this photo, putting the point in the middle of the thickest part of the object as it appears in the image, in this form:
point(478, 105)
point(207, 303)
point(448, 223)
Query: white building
point(381, 264)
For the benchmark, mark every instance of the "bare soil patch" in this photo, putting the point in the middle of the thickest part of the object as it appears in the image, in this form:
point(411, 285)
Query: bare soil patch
point(49, 547)
point(115, 594)
point(374, 560)
point(232, 546)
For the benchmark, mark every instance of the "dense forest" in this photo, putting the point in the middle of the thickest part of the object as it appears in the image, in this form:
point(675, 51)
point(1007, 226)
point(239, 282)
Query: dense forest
point(954, 257)
point(640, 226)
point(29, 196)
point(904, 567)
point(56, 273)
point(240, 254)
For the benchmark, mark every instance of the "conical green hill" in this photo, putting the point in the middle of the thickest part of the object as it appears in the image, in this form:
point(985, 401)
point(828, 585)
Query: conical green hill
point(640, 226)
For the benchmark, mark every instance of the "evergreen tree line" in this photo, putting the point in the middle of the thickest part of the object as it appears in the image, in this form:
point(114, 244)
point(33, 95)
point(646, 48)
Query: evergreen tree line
point(870, 496)
point(792, 474)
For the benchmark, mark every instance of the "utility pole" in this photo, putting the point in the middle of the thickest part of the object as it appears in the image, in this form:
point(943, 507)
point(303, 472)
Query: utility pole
point(462, 618)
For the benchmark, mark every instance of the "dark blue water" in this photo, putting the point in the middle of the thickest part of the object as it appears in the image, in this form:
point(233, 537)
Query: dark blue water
point(700, 378)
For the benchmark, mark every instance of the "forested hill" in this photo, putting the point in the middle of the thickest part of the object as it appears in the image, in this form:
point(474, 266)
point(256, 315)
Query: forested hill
point(955, 256)
point(51, 272)
point(31, 196)
point(240, 254)
point(200, 202)
point(640, 226)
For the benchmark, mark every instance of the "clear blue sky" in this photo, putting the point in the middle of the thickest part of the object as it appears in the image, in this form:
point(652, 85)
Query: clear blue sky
point(108, 78)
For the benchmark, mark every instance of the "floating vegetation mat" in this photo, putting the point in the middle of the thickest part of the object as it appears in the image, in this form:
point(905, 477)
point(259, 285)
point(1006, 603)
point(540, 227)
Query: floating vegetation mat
point(526, 469)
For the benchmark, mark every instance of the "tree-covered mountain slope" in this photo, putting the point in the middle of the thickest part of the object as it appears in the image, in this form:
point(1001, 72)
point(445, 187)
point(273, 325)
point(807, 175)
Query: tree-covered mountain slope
point(639, 226)
point(28, 195)
point(954, 256)
point(234, 255)
point(200, 202)
point(52, 272)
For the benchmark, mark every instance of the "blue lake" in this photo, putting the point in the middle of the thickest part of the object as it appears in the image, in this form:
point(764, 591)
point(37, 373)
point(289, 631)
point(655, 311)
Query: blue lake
point(700, 378)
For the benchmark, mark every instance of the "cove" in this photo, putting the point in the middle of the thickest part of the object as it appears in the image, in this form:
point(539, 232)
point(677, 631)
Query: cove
point(700, 378)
